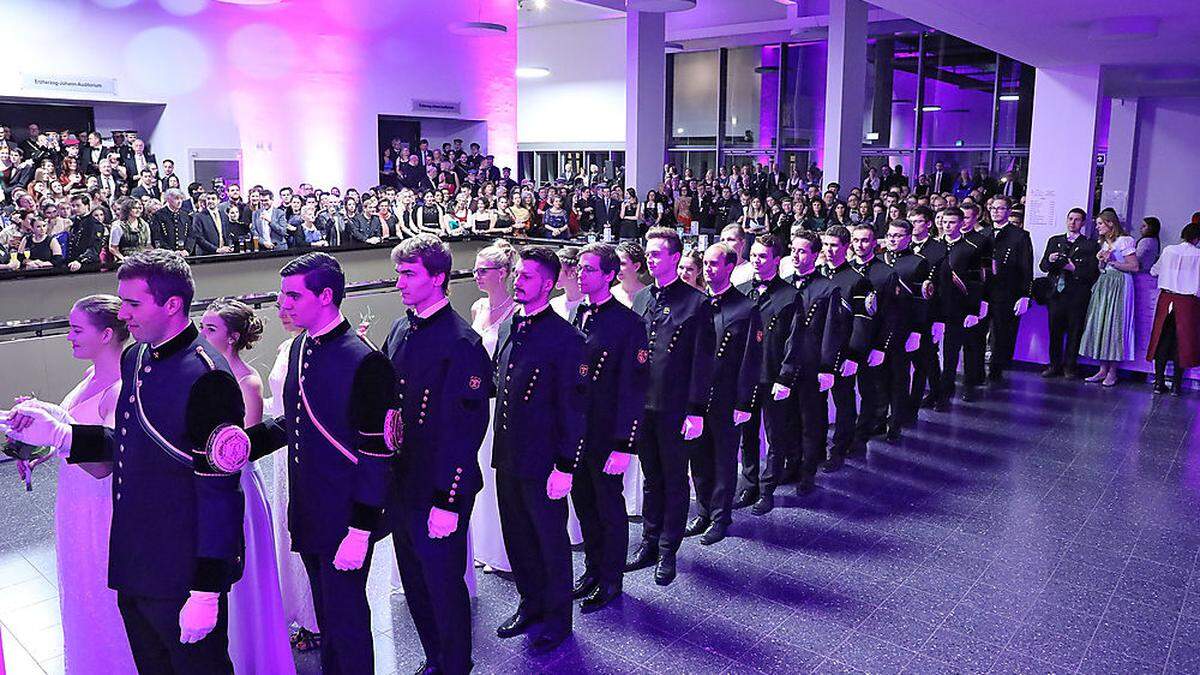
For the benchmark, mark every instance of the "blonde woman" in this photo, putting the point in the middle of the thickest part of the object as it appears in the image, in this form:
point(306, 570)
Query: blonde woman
point(1108, 332)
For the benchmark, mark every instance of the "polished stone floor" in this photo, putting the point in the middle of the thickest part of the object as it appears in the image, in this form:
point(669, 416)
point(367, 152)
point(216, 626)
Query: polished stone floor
point(1051, 527)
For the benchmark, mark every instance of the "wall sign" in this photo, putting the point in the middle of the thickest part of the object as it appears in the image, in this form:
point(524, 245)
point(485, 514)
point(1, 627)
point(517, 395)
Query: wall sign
point(74, 83)
point(440, 107)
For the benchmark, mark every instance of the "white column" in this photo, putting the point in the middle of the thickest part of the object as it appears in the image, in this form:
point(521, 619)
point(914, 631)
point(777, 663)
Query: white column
point(1117, 190)
point(645, 100)
point(1062, 149)
point(845, 93)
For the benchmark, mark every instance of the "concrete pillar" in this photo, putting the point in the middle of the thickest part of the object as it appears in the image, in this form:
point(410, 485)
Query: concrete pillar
point(845, 93)
point(1062, 149)
point(1117, 190)
point(645, 100)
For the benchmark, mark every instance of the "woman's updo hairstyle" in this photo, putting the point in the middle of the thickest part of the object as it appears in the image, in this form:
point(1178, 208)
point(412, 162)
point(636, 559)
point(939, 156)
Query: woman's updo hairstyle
point(239, 318)
point(102, 310)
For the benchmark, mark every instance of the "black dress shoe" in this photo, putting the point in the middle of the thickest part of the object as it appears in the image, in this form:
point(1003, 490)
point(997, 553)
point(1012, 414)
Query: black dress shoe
point(763, 506)
point(805, 485)
point(714, 533)
point(645, 556)
point(601, 596)
point(426, 669)
point(696, 526)
point(1160, 387)
point(969, 396)
point(745, 497)
point(929, 402)
point(1052, 372)
point(1070, 373)
point(893, 435)
point(879, 429)
point(549, 640)
point(584, 586)
point(517, 624)
point(664, 573)
point(832, 464)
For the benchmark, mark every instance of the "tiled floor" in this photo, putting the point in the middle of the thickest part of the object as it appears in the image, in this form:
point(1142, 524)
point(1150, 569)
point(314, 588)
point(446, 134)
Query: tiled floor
point(1051, 527)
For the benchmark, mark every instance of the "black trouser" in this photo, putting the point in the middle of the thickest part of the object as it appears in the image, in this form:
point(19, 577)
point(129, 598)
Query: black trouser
point(535, 535)
point(600, 507)
point(927, 369)
point(750, 436)
point(152, 626)
point(901, 408)
point(432, 571)
point(343, 613)
point(845, 405)
point(975, 351)
point(814, 423)
point(1005, 324)
point(714, 465)
point(1066, 316)
point(1166, 350)
point(872, 393)
point(954, 345)
point(664, 456)
point(783, 440)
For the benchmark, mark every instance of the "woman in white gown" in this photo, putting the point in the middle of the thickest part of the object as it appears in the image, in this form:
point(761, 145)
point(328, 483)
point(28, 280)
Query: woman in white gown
point(258, 633)
point(493, 275)
point(93, 634)
point(629, 283)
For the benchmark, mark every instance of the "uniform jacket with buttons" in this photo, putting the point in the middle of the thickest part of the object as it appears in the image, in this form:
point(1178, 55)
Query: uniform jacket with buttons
point(618, 360)
point(964, 260)
point(912, 271)
point(889, 303)
point(775, 302)
point(336, 396)
point(1012, 264)
point(679, 325)
point(444, 383)
point(933, 250)
point(177, 520)
point(541, 375)
point(821, 330)
point(739, 356)
point(981, 236)
point(856, 289)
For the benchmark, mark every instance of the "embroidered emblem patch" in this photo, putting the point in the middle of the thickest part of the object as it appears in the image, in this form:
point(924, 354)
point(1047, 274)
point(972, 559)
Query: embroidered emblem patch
point(393, 430)
point(758, 336)
point(474, 382)
point(228, 448)
point(643, 356)
point(583, 370)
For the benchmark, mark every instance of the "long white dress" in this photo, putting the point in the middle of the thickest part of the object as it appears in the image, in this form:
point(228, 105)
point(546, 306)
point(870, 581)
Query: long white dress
point(486, 541)
point(94, 635)
point(258, 629)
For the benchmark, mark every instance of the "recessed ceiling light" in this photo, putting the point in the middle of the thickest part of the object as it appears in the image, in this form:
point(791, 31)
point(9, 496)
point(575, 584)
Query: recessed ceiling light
point(477, 28)
point(532, 72)
point(1009, 98)
point(659, 5)
point(930, 108)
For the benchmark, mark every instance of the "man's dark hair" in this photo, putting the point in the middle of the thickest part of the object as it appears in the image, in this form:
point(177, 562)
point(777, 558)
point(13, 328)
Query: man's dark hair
point(610, 263)
point(773, 244)
point(902, 224)
point(1078, 210)
point(1003, 198)
point(953, 212)
point(320, 271)
point(1191, 232)
point(813, 239)
point(166, 274)
point(674, 243)
point(430, 251)
point(81, 197)
point(923, 211)
point(838, 232)
point(545, 257)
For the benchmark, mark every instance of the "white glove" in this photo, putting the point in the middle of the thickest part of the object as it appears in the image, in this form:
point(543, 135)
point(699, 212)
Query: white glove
point(740, 417)
point(693, 426)
point(875, 358)
point(983, 308)
point(36, 424)
point(617, 462)
point(1021, 307)
point(352, 552)
point(780, 392)
point(913, 343)
point(971, 321)
point(558, 484)
point(441, 523)
point(849, 368)
point(825, 380)
point(937, 331)
point(57, 411)
point(198, 616)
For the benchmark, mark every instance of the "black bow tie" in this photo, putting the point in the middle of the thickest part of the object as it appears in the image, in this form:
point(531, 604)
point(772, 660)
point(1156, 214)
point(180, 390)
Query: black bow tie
point(520, 321)
point(415, 320)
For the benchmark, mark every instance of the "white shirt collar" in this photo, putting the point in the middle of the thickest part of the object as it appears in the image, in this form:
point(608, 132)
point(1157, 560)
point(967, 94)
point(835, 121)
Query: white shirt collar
point(337, 321)
point(433, 309)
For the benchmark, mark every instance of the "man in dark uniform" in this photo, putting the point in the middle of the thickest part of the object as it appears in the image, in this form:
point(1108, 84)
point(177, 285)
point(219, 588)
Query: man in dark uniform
point(341, 436)
point(176, 542)
point(775, 301)
point(820, 334)
point(738, 332)
point(855, 289)
point(445, 380)
point(927, 369)
point(679, 319)
point(975, 348)
point(618, 371)
point(912, 271)
point(538, 444)
point(873, 379)
point(960, 292)
point(1070, 262)
point(1011, 285)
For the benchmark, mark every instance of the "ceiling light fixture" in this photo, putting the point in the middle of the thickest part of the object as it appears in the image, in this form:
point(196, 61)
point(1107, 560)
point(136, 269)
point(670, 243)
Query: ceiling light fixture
point(532, 72)
point(930, 108)
point(659, 5)
point(477, 28)
point(1009, 98)
point(251, 3)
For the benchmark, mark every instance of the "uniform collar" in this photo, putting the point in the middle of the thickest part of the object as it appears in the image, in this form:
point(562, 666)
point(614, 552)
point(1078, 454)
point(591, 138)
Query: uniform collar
point(434, 308)
point(334, 329)
point(175, 344)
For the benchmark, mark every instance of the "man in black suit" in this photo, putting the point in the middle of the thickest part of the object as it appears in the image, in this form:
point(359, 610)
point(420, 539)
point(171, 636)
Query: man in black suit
point(679, 319)
point(445, 381)
point(170, 227)
point(210, 228)
point(137, 160)
point(927, 369)
point(618, 365)
point(1070, 262)
point(91, 154)
point(1011, 286)
point(239, 212)
point(147, 186)
point(84, 239)
point(912, 271)
point(541, 381)
point(940, 180)
point(974, 352)
point(961, 295)
point(31, 148)
point(738, 330)
point(884, 337)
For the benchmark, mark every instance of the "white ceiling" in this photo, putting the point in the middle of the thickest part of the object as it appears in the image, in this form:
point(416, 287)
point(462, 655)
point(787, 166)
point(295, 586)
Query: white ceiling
point(563, 11)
